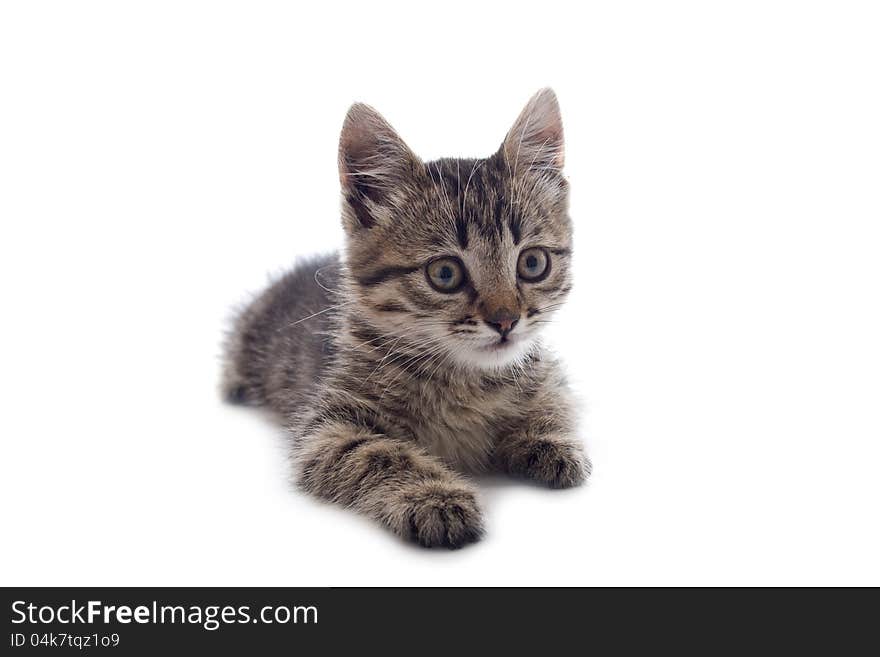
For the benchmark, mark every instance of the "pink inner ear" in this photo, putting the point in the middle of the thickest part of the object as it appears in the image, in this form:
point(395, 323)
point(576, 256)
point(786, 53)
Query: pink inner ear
point(536, 139)
point(371, 154)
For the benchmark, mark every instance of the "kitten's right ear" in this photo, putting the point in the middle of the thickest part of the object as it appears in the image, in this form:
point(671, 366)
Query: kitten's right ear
point(373, 163)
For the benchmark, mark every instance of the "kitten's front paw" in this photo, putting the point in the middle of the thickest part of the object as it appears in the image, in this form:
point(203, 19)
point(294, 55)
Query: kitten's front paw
point(444, 514)
point(559, 464)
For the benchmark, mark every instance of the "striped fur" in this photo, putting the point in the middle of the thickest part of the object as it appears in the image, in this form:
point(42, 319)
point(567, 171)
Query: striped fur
point(395, 390)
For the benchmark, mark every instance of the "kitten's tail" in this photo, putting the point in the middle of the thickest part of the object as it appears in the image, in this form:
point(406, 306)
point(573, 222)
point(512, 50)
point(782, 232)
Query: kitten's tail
point(238, 383)
point(276, 348)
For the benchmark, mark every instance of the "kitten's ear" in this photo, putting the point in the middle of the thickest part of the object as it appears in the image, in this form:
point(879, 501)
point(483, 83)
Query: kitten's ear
point(373, 163)
point(536, 141)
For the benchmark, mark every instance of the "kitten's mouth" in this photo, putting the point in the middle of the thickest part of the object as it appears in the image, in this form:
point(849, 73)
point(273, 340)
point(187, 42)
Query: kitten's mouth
point(495, 353)
point(500, 345)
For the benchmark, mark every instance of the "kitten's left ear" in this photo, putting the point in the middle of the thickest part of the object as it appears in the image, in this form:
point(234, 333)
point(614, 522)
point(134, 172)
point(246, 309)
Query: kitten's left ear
point(536, 141)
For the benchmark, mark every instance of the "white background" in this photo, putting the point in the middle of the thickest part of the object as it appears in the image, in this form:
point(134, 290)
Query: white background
point(158, 159)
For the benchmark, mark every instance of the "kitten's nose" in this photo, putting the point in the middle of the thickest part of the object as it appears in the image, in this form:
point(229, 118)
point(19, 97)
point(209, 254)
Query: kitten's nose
point(503, 321)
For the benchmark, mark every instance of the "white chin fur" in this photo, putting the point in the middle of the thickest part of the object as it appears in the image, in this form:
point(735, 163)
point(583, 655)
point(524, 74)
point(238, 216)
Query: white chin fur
point(495, 359)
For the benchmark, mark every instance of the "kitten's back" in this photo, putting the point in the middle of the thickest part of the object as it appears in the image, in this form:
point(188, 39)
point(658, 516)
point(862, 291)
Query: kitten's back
point(279, 345)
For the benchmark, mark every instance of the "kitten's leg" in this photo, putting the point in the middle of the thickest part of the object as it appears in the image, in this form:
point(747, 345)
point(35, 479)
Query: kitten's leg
point(392, 481)
point(542, 447)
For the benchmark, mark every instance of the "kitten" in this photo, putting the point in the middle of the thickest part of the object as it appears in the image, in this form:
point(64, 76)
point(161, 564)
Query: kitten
point(415, 356)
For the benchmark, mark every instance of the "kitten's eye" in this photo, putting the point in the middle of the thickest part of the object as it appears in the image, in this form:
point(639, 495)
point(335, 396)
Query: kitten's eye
point(445, 274)
point(533, 265)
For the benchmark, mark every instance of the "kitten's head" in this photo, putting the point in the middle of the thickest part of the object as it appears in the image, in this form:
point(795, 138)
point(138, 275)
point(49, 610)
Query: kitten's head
point(466, 258)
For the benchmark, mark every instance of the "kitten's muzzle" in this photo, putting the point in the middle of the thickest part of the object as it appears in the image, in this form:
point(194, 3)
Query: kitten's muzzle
point(503, 321)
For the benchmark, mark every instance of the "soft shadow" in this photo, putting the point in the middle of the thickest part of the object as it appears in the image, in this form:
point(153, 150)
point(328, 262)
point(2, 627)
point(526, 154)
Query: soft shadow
point(493, 485)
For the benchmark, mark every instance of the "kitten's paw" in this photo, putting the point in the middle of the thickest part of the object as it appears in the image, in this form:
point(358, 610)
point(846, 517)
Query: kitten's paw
point(444, 514)
point(559, 464)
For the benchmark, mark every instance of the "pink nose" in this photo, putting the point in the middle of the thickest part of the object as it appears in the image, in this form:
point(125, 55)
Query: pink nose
point(503, 321)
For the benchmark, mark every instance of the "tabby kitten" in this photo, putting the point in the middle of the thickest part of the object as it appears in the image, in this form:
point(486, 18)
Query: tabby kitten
point(414, 356)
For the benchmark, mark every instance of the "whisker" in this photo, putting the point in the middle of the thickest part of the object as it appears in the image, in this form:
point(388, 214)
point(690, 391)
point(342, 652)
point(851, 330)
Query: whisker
point(321, 312)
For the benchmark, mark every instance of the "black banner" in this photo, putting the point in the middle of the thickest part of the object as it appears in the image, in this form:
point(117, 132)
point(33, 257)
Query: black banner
point(132, 621)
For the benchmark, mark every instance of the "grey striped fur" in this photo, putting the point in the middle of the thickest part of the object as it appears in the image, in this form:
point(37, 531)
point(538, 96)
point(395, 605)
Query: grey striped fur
point(395, 393)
